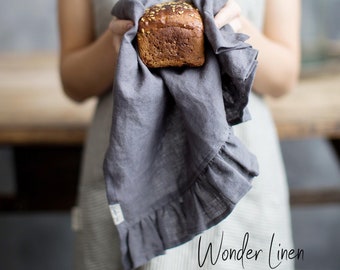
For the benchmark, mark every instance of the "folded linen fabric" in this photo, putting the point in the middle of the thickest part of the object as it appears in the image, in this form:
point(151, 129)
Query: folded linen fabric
point(174, 167)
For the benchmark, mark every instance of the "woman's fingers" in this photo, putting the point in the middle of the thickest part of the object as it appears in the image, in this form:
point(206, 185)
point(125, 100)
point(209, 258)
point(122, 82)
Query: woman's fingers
point(119, 27)
point(236, 24)
point(228, 14)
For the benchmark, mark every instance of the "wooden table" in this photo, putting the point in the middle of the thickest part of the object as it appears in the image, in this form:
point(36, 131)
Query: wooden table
point(34, 110)
point(311, 110)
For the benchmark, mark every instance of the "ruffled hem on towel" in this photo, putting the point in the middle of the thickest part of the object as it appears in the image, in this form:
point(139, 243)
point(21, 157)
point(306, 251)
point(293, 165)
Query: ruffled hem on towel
point(210, 199)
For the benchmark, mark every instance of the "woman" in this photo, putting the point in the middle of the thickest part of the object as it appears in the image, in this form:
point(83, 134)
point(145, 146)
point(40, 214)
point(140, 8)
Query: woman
point(90, 42)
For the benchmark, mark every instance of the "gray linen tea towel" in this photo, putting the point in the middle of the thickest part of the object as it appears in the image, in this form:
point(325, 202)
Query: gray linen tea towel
point(173, 167)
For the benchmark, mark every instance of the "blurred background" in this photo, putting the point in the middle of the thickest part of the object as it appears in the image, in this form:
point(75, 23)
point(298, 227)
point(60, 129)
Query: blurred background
point(40, 150)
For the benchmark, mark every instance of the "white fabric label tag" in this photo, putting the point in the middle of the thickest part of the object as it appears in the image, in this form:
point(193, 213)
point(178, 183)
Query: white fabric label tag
point(76, 223)
point(117, 213)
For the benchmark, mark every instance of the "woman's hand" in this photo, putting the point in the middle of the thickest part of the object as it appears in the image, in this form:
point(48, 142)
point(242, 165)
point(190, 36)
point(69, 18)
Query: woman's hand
point(229, 14)
point(118, 28)
point(87, 62)
point(278, 43)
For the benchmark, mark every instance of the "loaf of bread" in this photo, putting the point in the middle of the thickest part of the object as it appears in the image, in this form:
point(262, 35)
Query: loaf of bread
point(171, 34)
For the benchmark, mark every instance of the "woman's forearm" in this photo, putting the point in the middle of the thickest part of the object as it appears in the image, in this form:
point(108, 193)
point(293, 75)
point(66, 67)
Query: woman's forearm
point(89, 71)
point(278, 65)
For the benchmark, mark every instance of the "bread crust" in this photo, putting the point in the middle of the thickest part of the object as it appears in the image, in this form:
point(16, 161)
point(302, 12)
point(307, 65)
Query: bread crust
point(171, 34)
